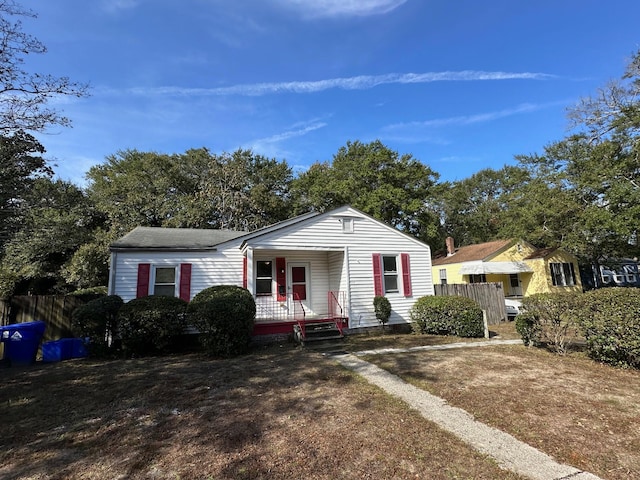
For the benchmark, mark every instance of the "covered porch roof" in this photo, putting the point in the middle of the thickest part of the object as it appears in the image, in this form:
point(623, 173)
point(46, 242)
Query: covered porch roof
point(478, 268)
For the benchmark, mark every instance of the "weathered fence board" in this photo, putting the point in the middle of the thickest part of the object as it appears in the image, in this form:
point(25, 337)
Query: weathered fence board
point(490, 297)
point(55, 310)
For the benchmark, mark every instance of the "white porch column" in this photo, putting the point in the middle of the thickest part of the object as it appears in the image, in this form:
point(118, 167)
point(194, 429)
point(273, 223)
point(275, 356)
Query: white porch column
point(348, 284)
point(251, 278)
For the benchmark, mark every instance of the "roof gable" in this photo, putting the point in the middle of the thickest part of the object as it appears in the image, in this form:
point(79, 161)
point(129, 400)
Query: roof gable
point(304, 221)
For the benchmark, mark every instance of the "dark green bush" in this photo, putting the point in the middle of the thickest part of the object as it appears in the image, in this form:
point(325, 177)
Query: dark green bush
point(528, 326)
point(382, 307)
point(224, 315)
point(151, 325)
point(88, 294)
point(553, 319)
point(447, 315)
point(610, 322)
point(97, 321)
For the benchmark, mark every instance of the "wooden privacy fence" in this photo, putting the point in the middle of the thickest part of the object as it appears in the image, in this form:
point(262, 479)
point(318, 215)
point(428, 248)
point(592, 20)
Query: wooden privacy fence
point(54, 310)
point(490, 297)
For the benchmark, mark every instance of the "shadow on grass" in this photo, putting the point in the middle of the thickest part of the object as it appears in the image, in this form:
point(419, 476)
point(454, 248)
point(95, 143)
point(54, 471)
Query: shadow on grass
point(123, 416)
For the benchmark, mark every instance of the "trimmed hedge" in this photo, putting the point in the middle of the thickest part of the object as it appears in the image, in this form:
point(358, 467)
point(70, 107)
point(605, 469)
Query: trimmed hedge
point(150, 325)
point(549, 319)
point(97, 321)
point(224, 316)
point(447, 315)
point(610, 322)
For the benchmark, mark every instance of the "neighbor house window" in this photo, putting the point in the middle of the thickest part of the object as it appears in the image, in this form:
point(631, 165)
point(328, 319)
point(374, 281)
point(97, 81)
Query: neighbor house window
point(443, 276)
point(164, 283)
point(562, 274)
point(390, 273)
point(347, 225)
point(264, 277)
point(478, 278)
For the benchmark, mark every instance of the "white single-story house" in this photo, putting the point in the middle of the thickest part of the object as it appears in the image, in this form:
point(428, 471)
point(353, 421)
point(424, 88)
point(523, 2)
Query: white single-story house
point(315, 266)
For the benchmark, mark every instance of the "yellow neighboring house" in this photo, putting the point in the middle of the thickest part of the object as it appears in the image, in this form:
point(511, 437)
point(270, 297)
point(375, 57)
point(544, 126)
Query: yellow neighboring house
point(521, 268)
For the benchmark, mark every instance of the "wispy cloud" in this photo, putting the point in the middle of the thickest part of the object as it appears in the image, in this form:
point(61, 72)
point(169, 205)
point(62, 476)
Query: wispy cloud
point(272, 146)
point(113, 6)
point(360, 82)
point(297, 130)
point(341, 8)
point(472, 119)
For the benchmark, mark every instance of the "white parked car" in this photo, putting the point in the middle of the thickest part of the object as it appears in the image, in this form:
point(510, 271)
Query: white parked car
point(513, 307)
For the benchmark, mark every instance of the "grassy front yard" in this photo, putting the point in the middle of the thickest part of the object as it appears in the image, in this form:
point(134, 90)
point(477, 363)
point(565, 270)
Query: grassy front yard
point(284, 413)
point(580, 412)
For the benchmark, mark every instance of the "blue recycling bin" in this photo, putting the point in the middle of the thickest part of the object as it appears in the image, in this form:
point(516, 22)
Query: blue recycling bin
point(63, 349)
point(21, 341)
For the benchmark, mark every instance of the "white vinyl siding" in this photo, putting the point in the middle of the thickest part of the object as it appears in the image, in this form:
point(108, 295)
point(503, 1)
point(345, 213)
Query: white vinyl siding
point(337, 261)
point(325, 233)
point(208, 269)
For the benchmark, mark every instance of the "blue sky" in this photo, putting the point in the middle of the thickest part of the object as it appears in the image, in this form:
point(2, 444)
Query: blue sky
point(461, 86)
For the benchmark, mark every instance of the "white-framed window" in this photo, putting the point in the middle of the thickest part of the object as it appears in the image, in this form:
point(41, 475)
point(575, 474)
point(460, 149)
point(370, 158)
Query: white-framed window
point(264, 277)
point(390, 273)
point(443, 276)
point(164, 281)
point(562, 274)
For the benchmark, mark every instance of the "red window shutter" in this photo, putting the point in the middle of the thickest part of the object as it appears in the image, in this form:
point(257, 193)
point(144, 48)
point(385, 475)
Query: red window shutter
point(185, 281)
point(377, 275)
point(142, 290)
point(244, 272)
point(406, 274)
point(281, 279)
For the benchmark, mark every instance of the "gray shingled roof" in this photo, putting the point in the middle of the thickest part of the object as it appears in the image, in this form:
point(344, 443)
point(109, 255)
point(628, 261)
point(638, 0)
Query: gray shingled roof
point(174, 238)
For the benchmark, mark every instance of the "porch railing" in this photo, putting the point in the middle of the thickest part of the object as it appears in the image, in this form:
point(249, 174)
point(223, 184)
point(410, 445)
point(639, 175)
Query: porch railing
point(337, 302)
point(292, 309)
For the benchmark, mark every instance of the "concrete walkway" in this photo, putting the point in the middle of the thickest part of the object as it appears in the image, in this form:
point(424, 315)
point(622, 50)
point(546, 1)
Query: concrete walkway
point(510, 453)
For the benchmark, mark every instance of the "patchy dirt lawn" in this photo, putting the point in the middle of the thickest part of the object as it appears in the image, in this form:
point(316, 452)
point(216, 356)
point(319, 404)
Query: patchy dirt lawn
point(580, 412)
point(279, 413)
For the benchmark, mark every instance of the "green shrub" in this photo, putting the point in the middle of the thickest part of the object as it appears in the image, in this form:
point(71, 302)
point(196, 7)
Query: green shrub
point(150, 325)
point(224, 316)
point(528, 326)
point(97, 321)
point(447, 315)
point(382, 307)
point(101, 290)
point(610, 322)
point(552, 318)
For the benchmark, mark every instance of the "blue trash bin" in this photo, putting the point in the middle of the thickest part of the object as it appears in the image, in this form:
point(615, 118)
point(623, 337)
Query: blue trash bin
point(21, 341)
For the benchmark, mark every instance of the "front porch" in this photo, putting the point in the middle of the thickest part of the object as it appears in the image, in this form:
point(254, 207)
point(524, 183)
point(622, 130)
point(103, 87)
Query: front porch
point(297, 287)
point(283, 316)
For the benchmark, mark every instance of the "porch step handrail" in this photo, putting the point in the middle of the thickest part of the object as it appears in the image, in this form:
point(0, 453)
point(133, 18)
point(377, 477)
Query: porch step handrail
point(335, 307)
point(299, 307)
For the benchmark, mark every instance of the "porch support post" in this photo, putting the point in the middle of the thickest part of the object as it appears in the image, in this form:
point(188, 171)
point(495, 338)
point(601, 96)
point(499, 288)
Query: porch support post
point(250, 276)
point(347, 270)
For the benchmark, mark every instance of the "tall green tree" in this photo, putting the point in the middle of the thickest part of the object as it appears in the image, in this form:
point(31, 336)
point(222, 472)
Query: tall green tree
point(58, 219)
point(135, 188)
point(244, 191)
point(21, 162)
point(599, 166)
point(196, 189)
point(397, 189)
point(476, 209)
